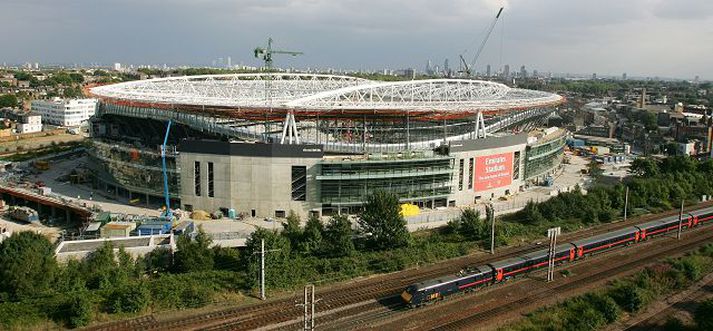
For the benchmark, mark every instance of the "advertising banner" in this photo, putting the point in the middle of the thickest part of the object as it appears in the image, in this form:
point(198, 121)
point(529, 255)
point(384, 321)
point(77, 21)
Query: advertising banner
point(493, 171)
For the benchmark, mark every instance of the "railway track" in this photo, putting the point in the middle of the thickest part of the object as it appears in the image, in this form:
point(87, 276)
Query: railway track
point(650, 253)
point(283, 314)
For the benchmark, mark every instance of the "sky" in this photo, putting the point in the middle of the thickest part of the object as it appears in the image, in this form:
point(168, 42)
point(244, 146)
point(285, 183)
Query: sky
point(647, 38)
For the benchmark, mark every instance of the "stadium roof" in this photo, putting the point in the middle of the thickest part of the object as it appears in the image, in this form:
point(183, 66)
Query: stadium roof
point(327, 93)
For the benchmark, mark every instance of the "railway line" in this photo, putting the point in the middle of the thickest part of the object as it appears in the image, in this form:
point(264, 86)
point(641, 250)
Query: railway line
point(372, 298)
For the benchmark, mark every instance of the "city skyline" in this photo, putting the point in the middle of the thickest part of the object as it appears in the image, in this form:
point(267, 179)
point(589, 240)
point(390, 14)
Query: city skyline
point(606, 37)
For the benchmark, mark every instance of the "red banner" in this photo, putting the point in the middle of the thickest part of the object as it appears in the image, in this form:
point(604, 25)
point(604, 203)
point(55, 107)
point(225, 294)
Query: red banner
point(493, 171)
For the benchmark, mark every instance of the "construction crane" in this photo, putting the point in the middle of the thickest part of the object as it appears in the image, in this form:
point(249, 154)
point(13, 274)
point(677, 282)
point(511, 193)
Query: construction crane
point(167, 214)
point(482, 45)
point(266, 53)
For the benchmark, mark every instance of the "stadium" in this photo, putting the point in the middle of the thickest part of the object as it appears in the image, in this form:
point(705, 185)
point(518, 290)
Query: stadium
point(269, 143)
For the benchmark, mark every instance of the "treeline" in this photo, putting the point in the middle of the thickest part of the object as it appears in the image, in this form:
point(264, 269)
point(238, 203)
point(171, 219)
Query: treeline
point(34, 288)
point(630, 295)
point(657, 185)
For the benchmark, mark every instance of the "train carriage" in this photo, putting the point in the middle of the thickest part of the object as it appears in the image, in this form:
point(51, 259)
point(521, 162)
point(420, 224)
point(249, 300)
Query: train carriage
point(659, 227)
point(605, 241)
point(508, 268)
point(563, 253)
point(703, 215)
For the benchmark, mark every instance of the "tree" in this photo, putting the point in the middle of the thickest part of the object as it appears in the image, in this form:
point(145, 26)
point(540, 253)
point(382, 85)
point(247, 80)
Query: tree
point(312, 236)
point(78, 309)
point(291, 229)
point(28, 266)
point(277, 258)
point(645, 167)
point(338, 237)
point(595, 170)
point(8, 100)
point(470, 225)
point(193, 254)
point(703, 315)
point(382, 219)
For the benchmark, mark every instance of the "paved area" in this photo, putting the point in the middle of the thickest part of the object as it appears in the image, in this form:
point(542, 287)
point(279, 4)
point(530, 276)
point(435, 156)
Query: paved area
point(567, 177)
point(82, 193)
point(12, 227)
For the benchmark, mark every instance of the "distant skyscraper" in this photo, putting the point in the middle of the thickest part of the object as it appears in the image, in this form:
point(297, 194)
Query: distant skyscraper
point(594, 76)
point(230, 62)
point(623, 76)
point(697, 79)
point(429, 67)
point(446, 69)
point(535, 73)
point(523, 72)
point(117, 66)
point(487, 71)
point(506, 71)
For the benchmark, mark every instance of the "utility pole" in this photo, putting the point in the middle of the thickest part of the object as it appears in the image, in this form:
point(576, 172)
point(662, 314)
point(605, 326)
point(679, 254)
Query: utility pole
point(626, 202)
point(490, 215)
point(680, 220)
point(262, 269)
point(263, 253)
point(308, 305)
point(552, 234)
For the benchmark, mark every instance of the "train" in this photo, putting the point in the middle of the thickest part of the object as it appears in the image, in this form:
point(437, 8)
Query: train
point(476, 277)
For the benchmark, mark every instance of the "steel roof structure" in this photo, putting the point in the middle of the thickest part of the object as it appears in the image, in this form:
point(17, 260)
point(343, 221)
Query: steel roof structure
point(315, 92)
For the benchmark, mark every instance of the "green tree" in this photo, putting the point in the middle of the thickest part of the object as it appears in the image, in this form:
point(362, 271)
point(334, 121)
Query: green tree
point(27, 265)
point(338, 237)
point(645, 167)
point(470, 225)
point(277, 258)
point(382, 219)
point(78, 309)
point(76, 78)
point(291, 229)
point(312, 236)
point(157, 261)
point(133, 298)
point(8, 100)
point(703, 316)
point(193, 254)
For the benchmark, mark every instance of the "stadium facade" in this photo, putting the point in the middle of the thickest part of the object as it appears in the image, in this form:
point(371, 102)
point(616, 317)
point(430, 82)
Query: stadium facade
point(265, 144)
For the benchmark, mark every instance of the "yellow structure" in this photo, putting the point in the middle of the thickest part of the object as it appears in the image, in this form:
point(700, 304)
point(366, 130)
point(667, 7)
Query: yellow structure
point(408, 209)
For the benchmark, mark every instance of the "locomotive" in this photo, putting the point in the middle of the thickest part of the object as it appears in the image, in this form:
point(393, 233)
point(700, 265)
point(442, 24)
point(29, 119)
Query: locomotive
point(499, 271)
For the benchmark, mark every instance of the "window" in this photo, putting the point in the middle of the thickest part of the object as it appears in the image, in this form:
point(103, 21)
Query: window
point(211, 191)
point(460, 175)
point(279, 213)
point(197, 177)
point(470, 173)
point(516, 165)
point(299, 183)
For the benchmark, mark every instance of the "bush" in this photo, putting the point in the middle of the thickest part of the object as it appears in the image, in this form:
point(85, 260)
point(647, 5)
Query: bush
point(79, 309)
point(704, 315)
point(132, 298)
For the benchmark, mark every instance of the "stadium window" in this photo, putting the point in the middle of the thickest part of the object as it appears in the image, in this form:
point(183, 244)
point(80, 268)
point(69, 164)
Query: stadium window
point(299, 183)
point(516, 165)
point(211, 191)
point(460, 175)
point(197, 177)
point(470, 173)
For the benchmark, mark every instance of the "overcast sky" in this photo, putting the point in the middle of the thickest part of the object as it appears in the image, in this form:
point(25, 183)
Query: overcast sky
point(666, 38)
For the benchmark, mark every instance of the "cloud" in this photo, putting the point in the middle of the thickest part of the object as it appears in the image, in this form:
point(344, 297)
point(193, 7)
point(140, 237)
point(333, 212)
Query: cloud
point(606, 36)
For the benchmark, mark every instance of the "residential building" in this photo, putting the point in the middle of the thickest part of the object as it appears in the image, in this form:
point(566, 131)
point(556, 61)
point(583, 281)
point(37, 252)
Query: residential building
point(61, 112)
point(29, 124)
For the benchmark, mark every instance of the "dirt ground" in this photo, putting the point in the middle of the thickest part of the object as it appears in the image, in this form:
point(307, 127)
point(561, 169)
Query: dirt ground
point(37, 142)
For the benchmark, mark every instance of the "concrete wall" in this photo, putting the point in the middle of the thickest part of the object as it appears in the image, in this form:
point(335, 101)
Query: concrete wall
point(247, 183)
point(465, 150)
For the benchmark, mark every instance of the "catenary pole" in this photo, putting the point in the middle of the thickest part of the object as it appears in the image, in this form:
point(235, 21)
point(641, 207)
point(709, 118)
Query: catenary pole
point(262, 269)
point(680, 220)
point(626, 202)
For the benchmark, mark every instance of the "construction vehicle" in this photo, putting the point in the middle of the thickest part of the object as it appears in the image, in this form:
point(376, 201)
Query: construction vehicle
point(266, 53)
point(24, 214)
point(467, 68)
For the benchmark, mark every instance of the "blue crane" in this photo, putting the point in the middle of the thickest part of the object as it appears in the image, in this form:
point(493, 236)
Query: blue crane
point(167, 214)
